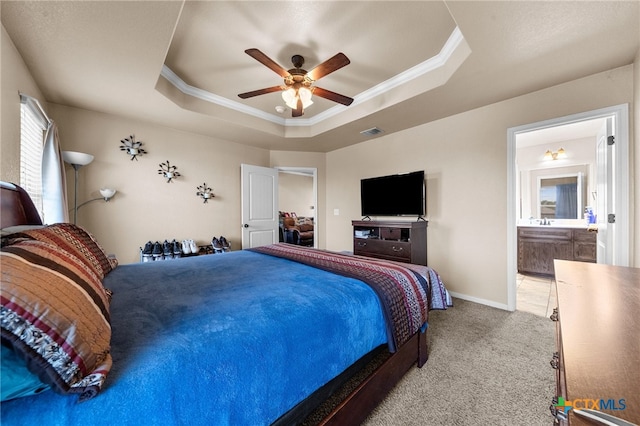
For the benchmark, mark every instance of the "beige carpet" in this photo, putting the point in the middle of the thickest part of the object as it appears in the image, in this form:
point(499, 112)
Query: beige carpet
point(486, 367)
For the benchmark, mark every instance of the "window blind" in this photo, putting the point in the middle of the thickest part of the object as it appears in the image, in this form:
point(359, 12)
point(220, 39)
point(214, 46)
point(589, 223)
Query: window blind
point(33, 124)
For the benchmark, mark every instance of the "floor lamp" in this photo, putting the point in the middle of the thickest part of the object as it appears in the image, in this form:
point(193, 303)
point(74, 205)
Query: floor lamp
point(77, 160)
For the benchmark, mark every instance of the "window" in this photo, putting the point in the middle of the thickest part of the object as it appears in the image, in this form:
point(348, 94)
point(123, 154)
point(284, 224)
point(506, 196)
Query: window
point(33, 124)
point(561, 197)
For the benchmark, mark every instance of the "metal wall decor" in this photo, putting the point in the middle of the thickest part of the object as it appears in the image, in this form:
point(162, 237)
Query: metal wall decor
point(168, 171)
point(205, 192)
point(132, 147)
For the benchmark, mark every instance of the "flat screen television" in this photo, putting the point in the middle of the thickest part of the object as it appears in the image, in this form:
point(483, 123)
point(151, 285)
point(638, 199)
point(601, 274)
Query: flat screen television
point(394, 195)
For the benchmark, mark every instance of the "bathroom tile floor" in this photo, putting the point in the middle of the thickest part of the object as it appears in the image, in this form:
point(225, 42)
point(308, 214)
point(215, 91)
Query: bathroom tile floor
point(536, 294)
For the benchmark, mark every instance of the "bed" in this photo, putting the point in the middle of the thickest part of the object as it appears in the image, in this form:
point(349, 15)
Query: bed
point(260, 336)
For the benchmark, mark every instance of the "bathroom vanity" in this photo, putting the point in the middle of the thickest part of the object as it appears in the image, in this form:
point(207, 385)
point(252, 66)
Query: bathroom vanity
point(539, 245)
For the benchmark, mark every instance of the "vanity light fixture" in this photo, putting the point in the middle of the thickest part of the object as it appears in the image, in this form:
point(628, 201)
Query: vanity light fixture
point(559, 154)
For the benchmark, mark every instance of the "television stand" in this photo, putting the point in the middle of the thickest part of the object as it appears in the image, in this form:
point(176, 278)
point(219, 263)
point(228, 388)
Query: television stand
point(391, 240)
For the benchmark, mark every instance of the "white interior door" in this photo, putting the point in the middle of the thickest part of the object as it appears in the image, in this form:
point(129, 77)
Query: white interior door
point(259, 206)
point(605, 193)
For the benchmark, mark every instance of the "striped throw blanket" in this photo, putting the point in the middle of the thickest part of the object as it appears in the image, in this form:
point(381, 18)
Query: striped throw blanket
point(407, 292)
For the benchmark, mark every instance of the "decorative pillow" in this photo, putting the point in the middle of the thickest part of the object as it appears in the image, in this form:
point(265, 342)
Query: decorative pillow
point(78, 242)
point(54, 313)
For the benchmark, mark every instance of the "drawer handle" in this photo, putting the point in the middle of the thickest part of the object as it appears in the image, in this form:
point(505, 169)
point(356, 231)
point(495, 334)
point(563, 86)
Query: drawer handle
point(558, 415)
point(362, 244)
point(555, 361)
point(397, 249)
point(554, 315)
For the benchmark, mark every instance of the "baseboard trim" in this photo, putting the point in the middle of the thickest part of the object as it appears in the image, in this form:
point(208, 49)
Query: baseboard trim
point(491, 303)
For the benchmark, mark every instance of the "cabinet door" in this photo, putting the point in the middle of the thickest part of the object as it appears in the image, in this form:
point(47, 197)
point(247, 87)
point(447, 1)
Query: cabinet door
point(537, 255)
point(584, 245)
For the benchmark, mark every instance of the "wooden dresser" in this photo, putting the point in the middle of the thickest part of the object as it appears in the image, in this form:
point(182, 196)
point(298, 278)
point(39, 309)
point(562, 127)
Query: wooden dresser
point(598, 340)
point(391, 240)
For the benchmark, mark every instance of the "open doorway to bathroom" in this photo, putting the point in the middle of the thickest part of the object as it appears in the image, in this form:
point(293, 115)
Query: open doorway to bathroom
point(557, 172)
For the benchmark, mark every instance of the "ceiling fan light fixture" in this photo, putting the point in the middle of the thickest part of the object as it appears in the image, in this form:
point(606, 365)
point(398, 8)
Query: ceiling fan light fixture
point(298, 90)
point(305, 96)
point(289, 98)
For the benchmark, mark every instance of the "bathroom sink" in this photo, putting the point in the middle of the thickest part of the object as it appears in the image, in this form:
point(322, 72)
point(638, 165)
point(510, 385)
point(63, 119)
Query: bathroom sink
point(554, 224)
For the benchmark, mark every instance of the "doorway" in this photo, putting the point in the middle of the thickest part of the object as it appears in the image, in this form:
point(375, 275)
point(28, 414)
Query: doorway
point(618, 185)
point(260, 202)
point(298, 193)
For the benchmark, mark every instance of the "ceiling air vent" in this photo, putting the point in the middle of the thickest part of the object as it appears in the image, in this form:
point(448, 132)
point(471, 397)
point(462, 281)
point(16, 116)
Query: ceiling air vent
point(371, 132)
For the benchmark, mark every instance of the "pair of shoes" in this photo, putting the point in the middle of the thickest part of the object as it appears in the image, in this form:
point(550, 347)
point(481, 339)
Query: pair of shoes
point(226, 245)
point(217, 245)
point(189, 246)
point(220, 245)
point(147, 252)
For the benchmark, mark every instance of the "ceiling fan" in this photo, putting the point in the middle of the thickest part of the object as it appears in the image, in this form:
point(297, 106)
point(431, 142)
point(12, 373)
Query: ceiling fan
point(298, 83)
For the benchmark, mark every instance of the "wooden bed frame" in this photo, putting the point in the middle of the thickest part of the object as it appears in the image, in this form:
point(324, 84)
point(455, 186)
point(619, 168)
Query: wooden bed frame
point(370, 393)
point(18, 209)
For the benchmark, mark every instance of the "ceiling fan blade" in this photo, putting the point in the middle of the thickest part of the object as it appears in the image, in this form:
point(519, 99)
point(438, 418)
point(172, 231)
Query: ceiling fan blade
point(330, 65)
point(298, 111)
point(260, 92)
point(332, 96)
point(268, 62)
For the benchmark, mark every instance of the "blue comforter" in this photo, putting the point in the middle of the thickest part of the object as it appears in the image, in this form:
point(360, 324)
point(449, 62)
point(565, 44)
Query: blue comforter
point(236, 338)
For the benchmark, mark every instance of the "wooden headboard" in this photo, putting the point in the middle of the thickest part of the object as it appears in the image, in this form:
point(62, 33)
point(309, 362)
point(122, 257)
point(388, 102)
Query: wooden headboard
point(16, 207)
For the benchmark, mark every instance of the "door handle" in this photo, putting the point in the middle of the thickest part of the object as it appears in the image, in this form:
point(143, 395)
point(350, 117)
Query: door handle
point(246, 225)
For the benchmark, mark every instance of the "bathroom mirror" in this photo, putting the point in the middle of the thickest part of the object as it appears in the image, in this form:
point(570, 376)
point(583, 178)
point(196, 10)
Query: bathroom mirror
point(561, 197)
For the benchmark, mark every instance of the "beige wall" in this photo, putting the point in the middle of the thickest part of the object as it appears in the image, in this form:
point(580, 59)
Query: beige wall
point(15, 78)
point(146, 207)
point(465, 160)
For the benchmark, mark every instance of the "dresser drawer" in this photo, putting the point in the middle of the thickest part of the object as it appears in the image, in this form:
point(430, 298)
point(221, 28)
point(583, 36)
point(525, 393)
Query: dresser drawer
point(585, 236)
point(541, 233)
point(393, 250)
